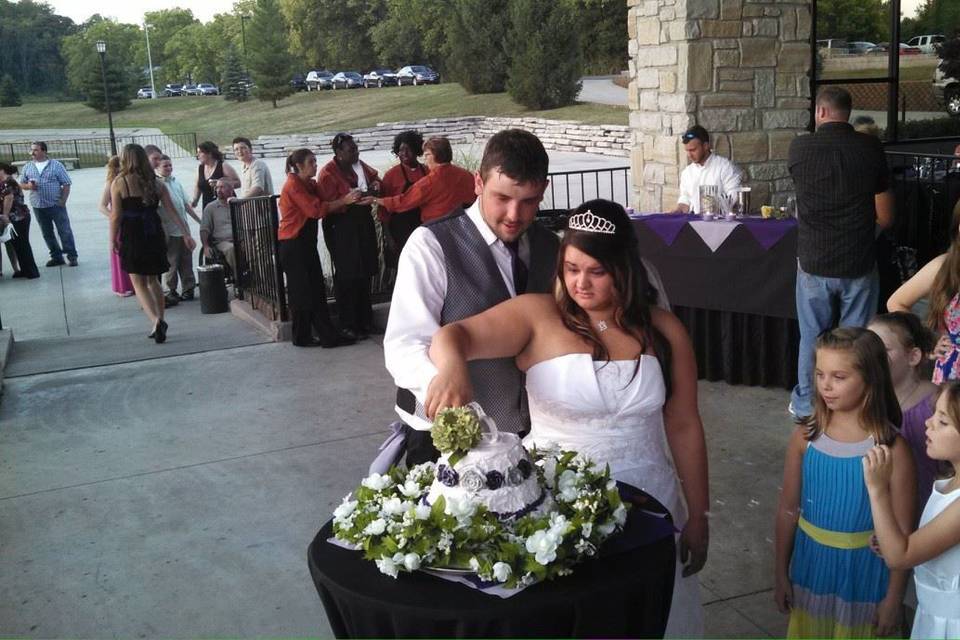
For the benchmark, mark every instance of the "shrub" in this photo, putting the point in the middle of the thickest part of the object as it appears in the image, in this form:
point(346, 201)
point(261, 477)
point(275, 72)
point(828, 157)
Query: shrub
point(547, 61)
point(9, 94)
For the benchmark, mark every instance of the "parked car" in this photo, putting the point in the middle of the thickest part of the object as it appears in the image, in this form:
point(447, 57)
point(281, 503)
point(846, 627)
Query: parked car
point(927, 43)
point(318, 79)
point(145, 92)
point(190, 90)
point(417, 74)
point(909, 50)
point(947, 92)
point(298, 82)
point(347, 80)
point(861, 47)
point(206, 89)
point(832, 46)
point(175, 89)
point(379, 78)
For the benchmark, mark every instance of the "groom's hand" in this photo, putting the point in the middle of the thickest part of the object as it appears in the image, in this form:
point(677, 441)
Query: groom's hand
point(448, 389)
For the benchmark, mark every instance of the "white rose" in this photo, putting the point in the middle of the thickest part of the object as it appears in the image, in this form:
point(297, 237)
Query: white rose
point(586, 529)
point(411, 561)
point(543, 545)
point(409, 489)
point(422, 511)
point(376, 527)
point(346, 508)
point(392, 507)
point(567, 486)
point(474, 564)
point(620, 515)
point(460, 508)
point(377, 482)
point(387, 566)
point(502, 571)
point(606, 528)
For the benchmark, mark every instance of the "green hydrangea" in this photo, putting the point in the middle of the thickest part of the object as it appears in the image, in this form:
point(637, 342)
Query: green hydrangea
point(456, 430)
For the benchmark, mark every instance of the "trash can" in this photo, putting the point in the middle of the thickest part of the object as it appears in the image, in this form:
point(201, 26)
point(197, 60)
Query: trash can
point(213, 289)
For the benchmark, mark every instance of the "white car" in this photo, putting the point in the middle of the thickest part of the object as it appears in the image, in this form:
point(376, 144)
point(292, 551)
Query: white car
point(927, 43)
point(145, 92)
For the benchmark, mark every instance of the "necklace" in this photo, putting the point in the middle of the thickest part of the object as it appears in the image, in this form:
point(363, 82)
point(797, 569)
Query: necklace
point(602, 326)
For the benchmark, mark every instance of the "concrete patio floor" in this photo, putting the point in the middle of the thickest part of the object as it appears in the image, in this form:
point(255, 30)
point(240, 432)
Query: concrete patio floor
point(171, 490)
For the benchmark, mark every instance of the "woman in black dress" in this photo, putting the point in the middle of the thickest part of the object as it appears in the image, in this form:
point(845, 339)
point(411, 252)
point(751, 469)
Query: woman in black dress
point(138, 234)
point(211, 169)
point(13, 210)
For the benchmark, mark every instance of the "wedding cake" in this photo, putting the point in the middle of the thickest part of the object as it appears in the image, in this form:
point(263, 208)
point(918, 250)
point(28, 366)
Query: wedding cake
point(496, 472)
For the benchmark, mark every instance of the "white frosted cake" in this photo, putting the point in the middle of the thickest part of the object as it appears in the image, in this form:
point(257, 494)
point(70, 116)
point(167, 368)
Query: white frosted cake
point(497, 472)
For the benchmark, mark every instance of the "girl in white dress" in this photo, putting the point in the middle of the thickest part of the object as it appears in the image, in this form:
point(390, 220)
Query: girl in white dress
point(608, 374)
point(934, 548)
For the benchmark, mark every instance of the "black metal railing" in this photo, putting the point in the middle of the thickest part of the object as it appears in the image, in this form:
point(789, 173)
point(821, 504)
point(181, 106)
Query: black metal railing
point(569, 189)
point(94, 152)
point(259, 279)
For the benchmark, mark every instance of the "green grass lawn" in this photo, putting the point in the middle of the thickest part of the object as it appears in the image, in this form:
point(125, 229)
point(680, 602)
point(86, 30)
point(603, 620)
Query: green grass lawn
point(216, 119)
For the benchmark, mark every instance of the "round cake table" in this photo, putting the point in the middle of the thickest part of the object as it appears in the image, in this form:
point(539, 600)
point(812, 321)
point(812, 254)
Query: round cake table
point(620, 594)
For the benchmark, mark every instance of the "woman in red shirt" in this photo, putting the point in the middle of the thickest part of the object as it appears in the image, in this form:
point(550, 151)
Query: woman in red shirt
point(408, 147)
point(300, 208)
point(350, 235)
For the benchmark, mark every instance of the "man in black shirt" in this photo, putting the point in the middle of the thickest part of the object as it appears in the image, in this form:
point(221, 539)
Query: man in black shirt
point(842, 185)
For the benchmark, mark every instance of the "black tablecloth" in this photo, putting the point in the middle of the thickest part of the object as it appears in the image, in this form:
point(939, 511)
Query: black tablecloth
point(622, 595)
point(738, 303)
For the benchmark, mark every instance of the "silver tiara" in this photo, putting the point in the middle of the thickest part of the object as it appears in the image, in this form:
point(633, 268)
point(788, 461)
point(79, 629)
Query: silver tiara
point(587, 221)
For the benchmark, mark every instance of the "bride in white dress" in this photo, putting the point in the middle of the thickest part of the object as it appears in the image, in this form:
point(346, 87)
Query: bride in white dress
point(608, 374)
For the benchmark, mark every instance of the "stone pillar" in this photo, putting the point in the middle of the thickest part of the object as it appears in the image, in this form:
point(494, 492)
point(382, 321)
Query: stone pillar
point(739, 68)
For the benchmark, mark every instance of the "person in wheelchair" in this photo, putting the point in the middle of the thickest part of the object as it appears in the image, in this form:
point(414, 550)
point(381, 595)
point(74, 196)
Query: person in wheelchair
point(216, 231)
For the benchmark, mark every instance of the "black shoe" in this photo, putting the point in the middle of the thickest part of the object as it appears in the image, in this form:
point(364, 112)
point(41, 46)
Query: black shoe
point(18, 274)
point(312, 342)
point(171, 300)
point(350, 334)
point(187, 295)
point(160, 333)
point(72, 261)
point(52, 262)
point(342, 339)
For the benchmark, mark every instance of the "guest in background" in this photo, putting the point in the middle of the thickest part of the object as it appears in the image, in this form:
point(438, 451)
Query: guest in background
point(255, 177)
point(211, 169)
point(216, 229)
point(49, 187)
point(867, 125)
point(119, 279)
point(14, 211)
point(446, 188)
point(408, 147)
point(705, 168)
point(138, 234)
point(300, 208)
point(154, 153)
point(178, 255)
point(350, 234)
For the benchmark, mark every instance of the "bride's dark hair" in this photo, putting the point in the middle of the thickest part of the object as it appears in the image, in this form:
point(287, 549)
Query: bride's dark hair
point(620, 257)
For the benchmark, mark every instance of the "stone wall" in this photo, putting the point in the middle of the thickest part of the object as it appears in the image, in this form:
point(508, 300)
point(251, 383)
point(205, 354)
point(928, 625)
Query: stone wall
point(739, 68)
point(559, 135)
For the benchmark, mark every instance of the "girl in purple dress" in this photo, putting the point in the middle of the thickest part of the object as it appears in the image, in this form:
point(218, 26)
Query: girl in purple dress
point(908, 343)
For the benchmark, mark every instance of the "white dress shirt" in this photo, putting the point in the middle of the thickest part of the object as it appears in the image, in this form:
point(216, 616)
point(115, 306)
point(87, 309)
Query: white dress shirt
point(716, 170)
point(417, 302)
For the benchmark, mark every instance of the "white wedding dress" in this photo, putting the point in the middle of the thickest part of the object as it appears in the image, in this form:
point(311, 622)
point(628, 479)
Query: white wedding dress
point(601, 410)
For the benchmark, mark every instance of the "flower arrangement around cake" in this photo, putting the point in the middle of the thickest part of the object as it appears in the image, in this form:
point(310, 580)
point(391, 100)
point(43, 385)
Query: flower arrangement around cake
point(487, 507)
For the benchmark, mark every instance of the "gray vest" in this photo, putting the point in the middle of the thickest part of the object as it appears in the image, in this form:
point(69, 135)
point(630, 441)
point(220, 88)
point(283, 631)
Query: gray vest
point(474, 284)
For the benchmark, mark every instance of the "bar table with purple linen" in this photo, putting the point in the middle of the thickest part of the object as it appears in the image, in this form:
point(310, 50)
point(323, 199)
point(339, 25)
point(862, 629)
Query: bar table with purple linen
point(732, 284)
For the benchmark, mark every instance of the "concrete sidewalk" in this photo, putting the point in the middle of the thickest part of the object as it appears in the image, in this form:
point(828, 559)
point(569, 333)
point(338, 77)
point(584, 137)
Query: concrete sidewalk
point(171, 490)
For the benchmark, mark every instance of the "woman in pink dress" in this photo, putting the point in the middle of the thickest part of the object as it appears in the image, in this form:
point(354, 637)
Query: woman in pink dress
point(119, 280)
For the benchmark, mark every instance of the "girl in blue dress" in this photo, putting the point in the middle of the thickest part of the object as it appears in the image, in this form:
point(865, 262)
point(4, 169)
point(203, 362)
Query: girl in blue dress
point(827, 577)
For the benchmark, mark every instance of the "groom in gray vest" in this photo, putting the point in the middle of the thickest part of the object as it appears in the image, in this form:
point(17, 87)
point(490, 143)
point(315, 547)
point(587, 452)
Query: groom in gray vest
point(463, 264)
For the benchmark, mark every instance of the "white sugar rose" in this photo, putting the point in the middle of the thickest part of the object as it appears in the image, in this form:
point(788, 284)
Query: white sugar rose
point(472, 481)
point(392, 507)
point(376, 528)
point(411, 561)
point(502, 571)
point(377, 482)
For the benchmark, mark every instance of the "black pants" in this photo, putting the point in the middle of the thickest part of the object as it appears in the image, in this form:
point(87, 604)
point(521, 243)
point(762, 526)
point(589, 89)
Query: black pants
point(401, 225)
point(353, 303)
point(21, 246)
point(420, 448)
point(306, 290)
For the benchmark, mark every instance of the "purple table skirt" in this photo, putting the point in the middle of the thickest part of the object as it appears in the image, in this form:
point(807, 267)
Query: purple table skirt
point(766, 231)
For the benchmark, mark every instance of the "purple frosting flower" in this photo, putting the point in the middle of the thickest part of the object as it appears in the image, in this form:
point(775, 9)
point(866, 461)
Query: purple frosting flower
point(525, 468)
point(494, 480)
point(447, 475)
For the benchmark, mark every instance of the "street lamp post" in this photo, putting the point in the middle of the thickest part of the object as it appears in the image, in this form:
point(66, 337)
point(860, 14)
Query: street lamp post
point(153, 87)
point(243, 41)
point(102, 50)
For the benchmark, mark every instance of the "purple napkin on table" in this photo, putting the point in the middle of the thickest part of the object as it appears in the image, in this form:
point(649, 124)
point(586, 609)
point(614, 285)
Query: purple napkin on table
point(667, 225)
point(767, 231)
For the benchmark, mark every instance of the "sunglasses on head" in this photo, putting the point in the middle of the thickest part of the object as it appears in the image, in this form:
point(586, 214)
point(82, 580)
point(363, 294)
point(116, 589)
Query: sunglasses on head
point(687, 137)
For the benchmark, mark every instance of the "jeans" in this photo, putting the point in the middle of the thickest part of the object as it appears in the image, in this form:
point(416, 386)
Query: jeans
point(47, 217)
point(819, 302)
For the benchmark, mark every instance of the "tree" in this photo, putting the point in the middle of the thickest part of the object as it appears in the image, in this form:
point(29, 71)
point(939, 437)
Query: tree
point(938, 16)
point(9, 95)
point(852, 20)
point(605, 21)
point(118, 85)
point(267, 56)
point(413, 32)
point(83, 62)
point(547, 63)
point(165, 26)
point(30, 34)
point(233, 85)
point(333, 33)
point(476, 51)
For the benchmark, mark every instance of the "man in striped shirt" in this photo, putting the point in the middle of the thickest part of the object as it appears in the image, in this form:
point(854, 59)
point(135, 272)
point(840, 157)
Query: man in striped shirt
point(49, 187)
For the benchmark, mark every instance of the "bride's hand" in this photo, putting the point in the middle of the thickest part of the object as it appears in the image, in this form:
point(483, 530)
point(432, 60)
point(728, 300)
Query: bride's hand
point(693, 545)
point(448, 389)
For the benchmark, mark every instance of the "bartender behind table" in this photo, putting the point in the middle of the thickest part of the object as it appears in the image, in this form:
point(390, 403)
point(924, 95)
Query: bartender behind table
point(705, 168)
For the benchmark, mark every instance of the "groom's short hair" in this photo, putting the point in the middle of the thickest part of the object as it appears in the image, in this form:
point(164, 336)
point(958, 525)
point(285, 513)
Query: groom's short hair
point(516, 153)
